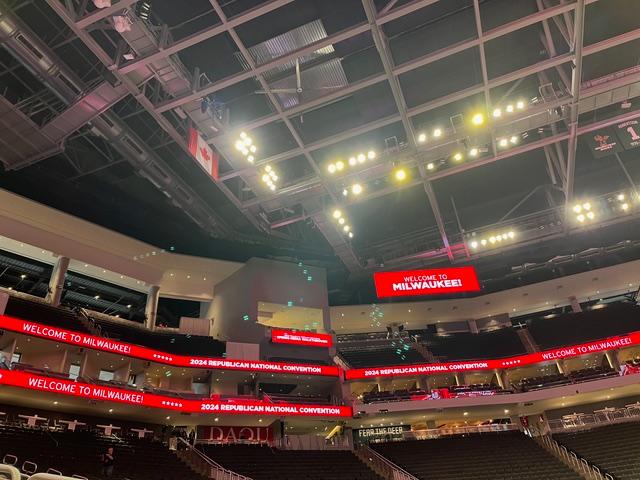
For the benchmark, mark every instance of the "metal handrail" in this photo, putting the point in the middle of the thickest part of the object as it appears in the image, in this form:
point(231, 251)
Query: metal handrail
point(397, 473)
point(218, 472)
point(579, 464)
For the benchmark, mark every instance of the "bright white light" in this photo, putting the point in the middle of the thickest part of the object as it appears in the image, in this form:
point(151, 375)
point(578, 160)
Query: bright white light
point(243, 135)
point(331, 168)
point(520, 104)
point(247, 141)
point(511, 234)
point(474, 244)
point(430, 166)
point(492, 239)
point(497, 113)
point(473, 152)
point(514, 139)
point(267, 168)
point(458, 156)
point(499, 238)
point(337, 213)
point(577, 208)
point(509, 108)
point(353, 161)
point(265, 178)
point(483, 242)
point(437, 132)
point(253, 149)
point(590, 215)
point(400, 174)
point(477, 119)
point(339, 165)
point(350, 234)
point(503, 142)
point(422, 137)
point(361, 158)
point(580, 218)
point(272, 187)
point(250, 158)
point(244, 151)
point(586, 206)
point(371, 154)
point(341, 220)
point(239, 145)
point(346, 228)
point(275, 177)
point(345, 192)
point(356, 189)
point(625, 206)
point(621, 197)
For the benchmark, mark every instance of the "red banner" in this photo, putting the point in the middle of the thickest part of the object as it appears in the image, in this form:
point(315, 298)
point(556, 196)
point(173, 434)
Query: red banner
point(203, 153)
point(426, 282)
point(510, 362)
point(225, 434)
point(307, 339)
point(41, 383)
point(129, 350)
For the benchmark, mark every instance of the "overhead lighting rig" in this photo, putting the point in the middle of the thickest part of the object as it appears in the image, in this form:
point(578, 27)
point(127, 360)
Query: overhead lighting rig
point(510, 108)
point(340, 219)
point(270, 177)
point(246, 147)
point(584, 212)
point(353, 161)
point(491, 240)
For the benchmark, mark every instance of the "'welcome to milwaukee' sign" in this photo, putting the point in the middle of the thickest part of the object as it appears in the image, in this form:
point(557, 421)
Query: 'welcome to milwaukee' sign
point(426, 282)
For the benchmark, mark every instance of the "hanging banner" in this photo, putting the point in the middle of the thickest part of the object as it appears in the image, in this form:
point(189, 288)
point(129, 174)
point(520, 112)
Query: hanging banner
point(203, 153)
point(629, 134)
point(510, 362)
point(61, 386)
point(436, 281)
point(308, 339)
point(603, 142)
point(136, 351)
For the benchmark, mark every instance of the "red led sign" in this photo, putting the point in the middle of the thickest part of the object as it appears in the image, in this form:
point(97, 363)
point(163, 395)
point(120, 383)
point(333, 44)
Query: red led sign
point(511, 362)
point(127, 349)
point(98, 392)
point(307, 339)
point(436, 281)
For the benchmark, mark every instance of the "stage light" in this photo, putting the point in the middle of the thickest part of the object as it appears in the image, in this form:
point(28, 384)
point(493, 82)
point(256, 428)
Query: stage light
point(477, 119)
point(331, 168)
point(497, 113)
point(492, 239)
point(361, 158)
point(247, 141)
point(400, 174)
point(620, 197)
point(511, 234)
point(356, 189)
point(437, 133)
point(458, 156)
point(339, 165)
point(272, 187)
point(253, 149)
point(265, 178)
point(514, 139)
point(250, 158)
point(371, 154)
point(586, 206)
point(430, 166)
point(591, 215)
point(243, 135)
point(422, 137)
point(239, 145)
point(520, 104)
point(509, 108)
point(580, 218)
point(474, 244)
point(346, 228)
point(341, 220)
point(352, 161)
point(350, 234)
point(245, 151)
point(624, 206)
point(267, 168)
point(577, 208)
point(473, 152)
point(483, 242)
point(345, 192)
point(337, 213)
point(503, 142)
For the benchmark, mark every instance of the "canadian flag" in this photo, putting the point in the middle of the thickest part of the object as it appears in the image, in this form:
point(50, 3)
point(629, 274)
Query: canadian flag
point(203, 153)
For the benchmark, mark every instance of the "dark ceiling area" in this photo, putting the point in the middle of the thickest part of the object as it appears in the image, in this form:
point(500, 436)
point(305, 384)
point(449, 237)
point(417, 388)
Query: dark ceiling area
point(397, 134)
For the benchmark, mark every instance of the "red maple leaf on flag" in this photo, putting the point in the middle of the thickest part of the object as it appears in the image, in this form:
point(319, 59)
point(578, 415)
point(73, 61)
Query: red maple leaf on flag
point(204, 152)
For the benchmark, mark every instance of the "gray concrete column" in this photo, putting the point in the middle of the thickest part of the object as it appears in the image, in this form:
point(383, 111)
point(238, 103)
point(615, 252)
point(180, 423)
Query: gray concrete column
point(56, 282)
point(473, 326)
point(575, 305)
point(151, 309)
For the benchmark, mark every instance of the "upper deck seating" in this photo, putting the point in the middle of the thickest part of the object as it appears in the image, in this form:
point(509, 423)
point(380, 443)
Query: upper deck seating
point(469, 346)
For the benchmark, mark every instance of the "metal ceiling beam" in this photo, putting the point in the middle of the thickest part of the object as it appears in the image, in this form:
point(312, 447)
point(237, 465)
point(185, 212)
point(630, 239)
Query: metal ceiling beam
point(203, 35)
point(101, 13)
point(576, 81)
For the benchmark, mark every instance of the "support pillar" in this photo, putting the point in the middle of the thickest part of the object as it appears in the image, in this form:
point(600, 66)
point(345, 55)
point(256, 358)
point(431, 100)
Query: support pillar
point(560, 366)
point(56, 282)
point(151, 309)
point(473, 326)
point(575, 305)
point(498, 374)
point(459, 379)
point(613, 359)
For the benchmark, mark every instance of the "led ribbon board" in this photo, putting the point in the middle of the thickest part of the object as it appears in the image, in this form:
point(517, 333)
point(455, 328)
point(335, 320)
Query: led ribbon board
point(307, 339)
point(41, 383)
point(136, 351)
point(436, 281)
point(511, 362)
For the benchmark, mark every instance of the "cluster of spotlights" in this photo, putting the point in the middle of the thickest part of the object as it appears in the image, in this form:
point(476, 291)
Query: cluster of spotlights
point(339, 217)
point(510, 108)
point(359, 159)
point(510, 141)
point(245, 145)
point(270, 177)
point(437, 133)
point(355, 189)
point(622, 203)
point(492, 240)
point(584, 212)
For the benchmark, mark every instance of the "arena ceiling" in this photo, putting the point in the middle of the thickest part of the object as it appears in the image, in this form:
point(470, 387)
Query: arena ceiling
point(96, 123)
